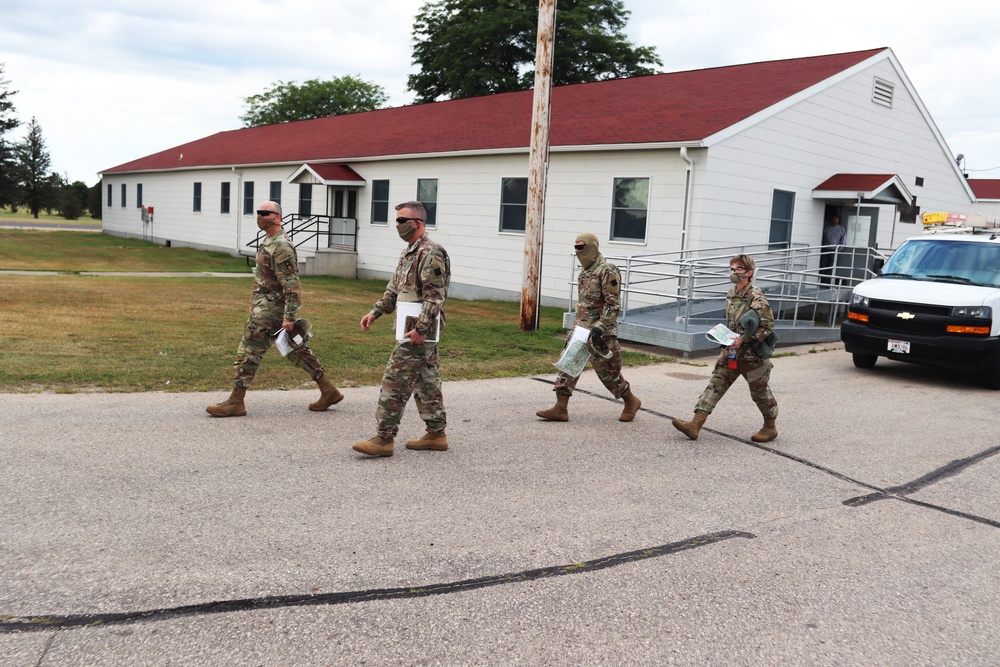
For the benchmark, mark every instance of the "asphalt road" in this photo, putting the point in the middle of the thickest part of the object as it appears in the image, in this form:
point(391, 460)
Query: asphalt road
point(136, 530)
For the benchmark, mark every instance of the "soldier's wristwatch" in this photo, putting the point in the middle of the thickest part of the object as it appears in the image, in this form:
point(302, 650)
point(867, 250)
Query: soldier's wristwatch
point(421, 331)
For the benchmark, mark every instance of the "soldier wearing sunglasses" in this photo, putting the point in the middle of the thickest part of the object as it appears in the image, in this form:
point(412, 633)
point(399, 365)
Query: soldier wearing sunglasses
point(422, 276)
point(274, 302)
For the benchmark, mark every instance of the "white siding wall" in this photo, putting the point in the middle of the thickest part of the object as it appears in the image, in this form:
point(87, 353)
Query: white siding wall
point(839, 130)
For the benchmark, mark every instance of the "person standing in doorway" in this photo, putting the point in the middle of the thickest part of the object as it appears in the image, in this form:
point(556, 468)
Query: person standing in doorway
point(274, 303)
point(422, 276)
point(834, 235)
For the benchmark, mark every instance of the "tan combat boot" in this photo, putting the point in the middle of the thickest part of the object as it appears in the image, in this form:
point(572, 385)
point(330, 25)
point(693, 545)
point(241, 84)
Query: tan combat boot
point(329, 395)
point(558, 412)
point(692, 428)
point(374, 446)
point(232, 406)
point(767, 432)
point(430, 440)
point(632, 404)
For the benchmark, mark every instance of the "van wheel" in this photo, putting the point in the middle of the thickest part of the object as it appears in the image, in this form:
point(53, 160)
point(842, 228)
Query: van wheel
point(991, 376)
point(865, 360)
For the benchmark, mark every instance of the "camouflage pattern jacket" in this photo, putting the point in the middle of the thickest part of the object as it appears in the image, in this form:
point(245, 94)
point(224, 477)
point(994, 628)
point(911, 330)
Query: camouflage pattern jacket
point(737, 305)
point(599, 296)
point(423, 274)
point(276, 276)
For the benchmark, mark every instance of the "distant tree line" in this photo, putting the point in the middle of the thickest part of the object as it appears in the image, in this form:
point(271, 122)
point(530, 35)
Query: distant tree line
point(25, 179)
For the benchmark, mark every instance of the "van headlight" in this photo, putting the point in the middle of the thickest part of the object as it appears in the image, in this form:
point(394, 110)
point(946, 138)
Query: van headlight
point(858, 300)
point(982, 312)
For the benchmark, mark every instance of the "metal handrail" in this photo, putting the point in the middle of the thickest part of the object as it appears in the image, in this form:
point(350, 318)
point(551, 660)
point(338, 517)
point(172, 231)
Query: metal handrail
point(302, 229)
point(795, 279)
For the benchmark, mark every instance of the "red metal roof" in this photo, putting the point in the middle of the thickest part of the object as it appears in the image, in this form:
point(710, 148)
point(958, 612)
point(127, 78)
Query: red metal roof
point(662, 108)
point(985, 188)
point(855, 182)
point(335, 172)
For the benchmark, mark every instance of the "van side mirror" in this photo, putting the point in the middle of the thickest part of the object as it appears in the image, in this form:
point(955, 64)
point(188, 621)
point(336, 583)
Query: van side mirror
point(877, 265)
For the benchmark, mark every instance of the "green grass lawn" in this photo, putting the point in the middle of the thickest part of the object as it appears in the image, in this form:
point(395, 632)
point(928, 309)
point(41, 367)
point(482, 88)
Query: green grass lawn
point(70, 332)
point(22, 215)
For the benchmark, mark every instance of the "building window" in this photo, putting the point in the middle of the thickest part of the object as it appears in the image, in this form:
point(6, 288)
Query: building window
point(224, 199)
point(111, 196)
point(629, 209)
point(275, 192)
point(124, 190)
point(513, 204)
point(427, 194)
point(138, 195)
point(248, 198)
point(918, 181)
point(782, 208)
point(196, 204)
point(305, 199)
point(380, 202)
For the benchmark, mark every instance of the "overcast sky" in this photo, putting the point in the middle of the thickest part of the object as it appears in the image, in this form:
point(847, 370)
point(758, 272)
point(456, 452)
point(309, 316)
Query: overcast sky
point(115, 80)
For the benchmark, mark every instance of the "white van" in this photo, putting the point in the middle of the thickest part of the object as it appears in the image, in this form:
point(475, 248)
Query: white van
point(936, 301)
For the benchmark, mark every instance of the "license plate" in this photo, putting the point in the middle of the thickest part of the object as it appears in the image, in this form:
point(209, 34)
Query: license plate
point(899, 346)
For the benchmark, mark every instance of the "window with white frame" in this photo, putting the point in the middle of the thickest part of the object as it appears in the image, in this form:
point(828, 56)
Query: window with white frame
point(629, 209)
point(248, 208)
point(782, 209)
point(513, 204)
point(196, 204)
point(275, 192)
point(111, 196)
point(124, 192)
point(305, 199)
point(427, 194)
point(380, 202)
point(138, 195)
point(224, 198)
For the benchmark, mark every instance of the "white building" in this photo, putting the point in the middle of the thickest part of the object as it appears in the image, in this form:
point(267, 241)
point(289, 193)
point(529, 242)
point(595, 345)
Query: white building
point(755, 153)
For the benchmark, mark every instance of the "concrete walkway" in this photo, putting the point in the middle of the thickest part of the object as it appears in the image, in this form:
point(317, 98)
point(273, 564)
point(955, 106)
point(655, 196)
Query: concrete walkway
point(136, 530)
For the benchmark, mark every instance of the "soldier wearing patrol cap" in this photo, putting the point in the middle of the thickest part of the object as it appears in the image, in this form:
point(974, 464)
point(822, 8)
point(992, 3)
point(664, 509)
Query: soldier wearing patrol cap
point(274, 301)
point(598, 303)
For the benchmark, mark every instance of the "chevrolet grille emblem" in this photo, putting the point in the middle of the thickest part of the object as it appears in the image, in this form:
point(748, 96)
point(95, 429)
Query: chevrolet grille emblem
point(905, 316)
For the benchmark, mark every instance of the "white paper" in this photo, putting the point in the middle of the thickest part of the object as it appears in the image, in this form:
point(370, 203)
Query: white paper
point(576, 354)
point(407, 313)
point(722, 335)
point(281, 342)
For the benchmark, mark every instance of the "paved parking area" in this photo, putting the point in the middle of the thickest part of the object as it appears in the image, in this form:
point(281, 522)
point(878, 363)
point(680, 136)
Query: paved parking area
point(136, 530)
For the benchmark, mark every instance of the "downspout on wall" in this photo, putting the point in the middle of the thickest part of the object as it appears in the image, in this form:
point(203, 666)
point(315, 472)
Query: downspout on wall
point(686, 213)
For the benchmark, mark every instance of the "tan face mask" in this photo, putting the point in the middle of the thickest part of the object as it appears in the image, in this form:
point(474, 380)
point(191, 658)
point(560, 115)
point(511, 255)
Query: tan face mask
point(587, 249)
point(406, 229)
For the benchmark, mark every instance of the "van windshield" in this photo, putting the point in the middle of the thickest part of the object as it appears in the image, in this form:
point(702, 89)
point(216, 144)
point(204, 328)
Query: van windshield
point(946, 261)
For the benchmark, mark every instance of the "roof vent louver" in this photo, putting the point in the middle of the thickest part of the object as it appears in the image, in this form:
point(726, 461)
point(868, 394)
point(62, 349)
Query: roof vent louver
point(882, 93)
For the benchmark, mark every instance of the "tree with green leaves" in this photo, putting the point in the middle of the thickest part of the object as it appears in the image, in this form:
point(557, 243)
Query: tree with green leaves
point(95, 201)
point(469, 48)
point(8, 181)
point(32, 169)
point(285, 102)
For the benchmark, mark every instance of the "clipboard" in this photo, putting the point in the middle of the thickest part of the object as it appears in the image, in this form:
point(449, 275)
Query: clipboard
point(407, 313)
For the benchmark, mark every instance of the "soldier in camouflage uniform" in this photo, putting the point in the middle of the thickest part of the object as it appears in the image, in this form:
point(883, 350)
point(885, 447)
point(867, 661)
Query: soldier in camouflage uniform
point(598, 303)
point(422, 275)
point(742, 298)
point(274, 302)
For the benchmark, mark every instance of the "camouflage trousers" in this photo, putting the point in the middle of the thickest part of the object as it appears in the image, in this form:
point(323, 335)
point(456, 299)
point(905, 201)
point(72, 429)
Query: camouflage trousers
point(756, 371)
point(257, 338)
point(609, 372)
point(412, 370)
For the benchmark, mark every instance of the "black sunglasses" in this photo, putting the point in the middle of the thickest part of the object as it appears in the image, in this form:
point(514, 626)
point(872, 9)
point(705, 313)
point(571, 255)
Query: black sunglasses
point(262, 213)
point(403, 221)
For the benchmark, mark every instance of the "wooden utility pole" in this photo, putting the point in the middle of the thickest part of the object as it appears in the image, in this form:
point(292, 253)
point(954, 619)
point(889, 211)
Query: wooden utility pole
point(538, 167)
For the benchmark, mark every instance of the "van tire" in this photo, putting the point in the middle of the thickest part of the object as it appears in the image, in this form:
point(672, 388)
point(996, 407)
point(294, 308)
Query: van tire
point(865, 360)
point(991, 376)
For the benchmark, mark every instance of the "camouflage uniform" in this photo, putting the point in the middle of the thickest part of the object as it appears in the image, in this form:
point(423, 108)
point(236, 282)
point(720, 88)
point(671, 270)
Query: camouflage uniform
point(422, 275)
point(749, 364)
point(599, 300)
point(276, 297)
